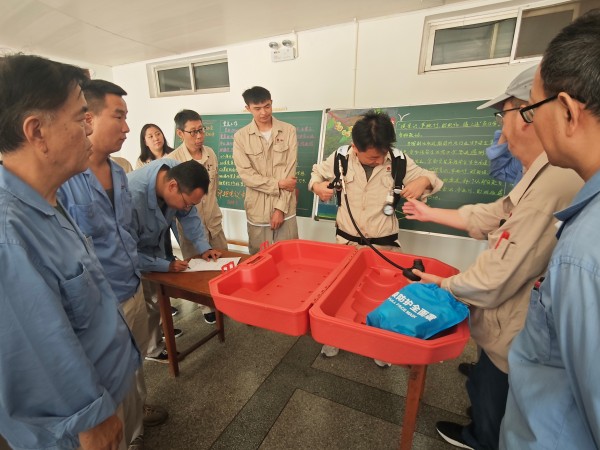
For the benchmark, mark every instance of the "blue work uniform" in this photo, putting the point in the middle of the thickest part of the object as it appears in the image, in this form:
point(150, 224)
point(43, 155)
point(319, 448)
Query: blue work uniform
point(87, 201)
point(149, 223)
point(503, 165)
point(554, 396)
point(67, 357)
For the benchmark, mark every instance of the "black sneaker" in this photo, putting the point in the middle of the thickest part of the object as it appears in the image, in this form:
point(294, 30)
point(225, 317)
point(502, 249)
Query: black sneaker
point(452, 433)
point(162, 357)
point(174, 311)
point(210, 318)
point(176, 331)
point(466, 368)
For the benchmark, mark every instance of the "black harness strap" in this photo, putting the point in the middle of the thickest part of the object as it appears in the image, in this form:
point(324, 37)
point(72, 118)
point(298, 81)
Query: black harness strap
point(398, 171)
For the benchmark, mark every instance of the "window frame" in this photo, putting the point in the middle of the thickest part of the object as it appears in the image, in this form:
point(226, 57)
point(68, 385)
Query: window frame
point(433, 24)
point(153, 69)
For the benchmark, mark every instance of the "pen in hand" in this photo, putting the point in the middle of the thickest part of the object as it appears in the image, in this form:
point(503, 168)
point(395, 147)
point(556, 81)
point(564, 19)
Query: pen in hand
point(177, 265)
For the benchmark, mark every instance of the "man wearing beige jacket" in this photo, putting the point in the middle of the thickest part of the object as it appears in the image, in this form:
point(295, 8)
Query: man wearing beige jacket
point(369, 182)
point(371, 175)
point(190, 129)
point(521, 232)
point(265, 155)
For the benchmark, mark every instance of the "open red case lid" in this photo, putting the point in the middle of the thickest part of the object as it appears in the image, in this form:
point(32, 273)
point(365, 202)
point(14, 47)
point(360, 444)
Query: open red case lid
point(298, 286)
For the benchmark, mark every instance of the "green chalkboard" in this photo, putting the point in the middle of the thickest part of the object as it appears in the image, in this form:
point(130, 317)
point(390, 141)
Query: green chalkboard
point(449, 139)
point(219, 136)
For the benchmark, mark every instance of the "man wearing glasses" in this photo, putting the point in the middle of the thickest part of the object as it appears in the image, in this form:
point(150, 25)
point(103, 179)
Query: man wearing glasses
point(554, 397)
point(67, 356)
point(520, 229)
point(190, 129)
point(161, 191)
point(265, 154)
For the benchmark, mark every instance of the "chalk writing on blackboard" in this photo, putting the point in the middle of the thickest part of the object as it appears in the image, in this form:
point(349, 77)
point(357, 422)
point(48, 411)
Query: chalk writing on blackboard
point(449, 139)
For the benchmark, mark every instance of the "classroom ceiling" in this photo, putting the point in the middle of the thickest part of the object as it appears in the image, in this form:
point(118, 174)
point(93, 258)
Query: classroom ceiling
point(116, 32)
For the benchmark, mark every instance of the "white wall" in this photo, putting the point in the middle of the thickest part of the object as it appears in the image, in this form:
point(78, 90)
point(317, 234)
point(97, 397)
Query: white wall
point(371, 63)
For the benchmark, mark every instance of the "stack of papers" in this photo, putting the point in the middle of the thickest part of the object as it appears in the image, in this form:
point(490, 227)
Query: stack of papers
point(199, 265)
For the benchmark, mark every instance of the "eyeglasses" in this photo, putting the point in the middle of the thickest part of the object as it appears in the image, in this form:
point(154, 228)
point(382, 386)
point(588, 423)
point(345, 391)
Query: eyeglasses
point(188, 206)
point(194, 133)
point(500, 115)
point(527, 113)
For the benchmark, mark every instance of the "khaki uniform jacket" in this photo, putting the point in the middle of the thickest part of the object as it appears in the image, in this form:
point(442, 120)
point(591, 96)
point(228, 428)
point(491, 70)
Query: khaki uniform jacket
point(499, 283)
point(125, 165)
point(261, 164)
point(367, 198)
point(208, 208)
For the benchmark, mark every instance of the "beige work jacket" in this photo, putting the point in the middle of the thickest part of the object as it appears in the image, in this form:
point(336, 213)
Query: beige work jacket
point(261, 164)
point(208, 208)
point(498, 284)
point(125, 165)
point(367, 198)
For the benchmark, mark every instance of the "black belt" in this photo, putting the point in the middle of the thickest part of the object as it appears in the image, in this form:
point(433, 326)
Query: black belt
point(385, 240)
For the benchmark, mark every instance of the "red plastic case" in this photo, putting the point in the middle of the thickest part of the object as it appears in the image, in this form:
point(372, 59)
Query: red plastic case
point(336, 286)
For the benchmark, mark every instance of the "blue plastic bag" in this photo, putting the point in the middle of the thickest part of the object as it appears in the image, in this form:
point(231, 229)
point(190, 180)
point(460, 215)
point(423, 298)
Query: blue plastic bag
point(419, 310)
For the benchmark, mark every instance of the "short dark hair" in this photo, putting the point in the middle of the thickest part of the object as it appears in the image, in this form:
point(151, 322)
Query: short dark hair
point(184, 116)
point(190, 175)
point(31, 84)
point(256, 94)
point(571, 62)
point(146, 154)
point(374, 129)
point(95, 92)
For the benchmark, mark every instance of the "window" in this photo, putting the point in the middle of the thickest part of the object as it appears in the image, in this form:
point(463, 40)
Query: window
point(495, 38)
point(471, 44)
point(539, 26)
point(197, 75)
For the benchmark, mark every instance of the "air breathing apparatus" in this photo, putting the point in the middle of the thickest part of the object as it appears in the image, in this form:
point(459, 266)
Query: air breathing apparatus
point(340, 168)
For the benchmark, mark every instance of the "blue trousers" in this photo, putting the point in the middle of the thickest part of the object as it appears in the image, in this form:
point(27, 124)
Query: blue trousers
point(487, 387)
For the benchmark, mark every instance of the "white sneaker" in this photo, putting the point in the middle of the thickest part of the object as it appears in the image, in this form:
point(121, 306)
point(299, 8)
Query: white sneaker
point(329, 351)
point(382, 364)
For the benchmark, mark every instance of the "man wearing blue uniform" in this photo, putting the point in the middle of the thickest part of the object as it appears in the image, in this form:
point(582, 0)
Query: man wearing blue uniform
point(67, 358)
point(554, 396)
point(100, 203)
point(162, 190)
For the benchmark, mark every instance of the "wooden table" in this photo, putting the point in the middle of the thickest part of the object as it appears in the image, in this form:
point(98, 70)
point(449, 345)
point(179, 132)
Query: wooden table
point(192, 286)
point(414, 392)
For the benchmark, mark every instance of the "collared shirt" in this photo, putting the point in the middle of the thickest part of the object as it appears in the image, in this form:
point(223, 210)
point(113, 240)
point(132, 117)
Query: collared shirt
point(109, 227)
point(554, 397)
point(149, 224)
point(67, 357)
point(261, 164)
point(521, 234)
point(208, 208)
point(368, 197)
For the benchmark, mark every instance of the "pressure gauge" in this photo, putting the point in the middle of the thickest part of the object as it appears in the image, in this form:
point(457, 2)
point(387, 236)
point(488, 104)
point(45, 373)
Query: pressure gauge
point(388, 209)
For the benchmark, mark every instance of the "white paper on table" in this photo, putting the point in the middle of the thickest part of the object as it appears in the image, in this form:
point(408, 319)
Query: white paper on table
point(199, 265)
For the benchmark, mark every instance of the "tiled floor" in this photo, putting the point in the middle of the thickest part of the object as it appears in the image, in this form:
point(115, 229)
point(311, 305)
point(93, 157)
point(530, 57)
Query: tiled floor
point(263, 390)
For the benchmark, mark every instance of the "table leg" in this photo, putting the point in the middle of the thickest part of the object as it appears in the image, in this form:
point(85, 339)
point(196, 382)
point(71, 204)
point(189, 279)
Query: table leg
point(416, 386)
point(164, 303)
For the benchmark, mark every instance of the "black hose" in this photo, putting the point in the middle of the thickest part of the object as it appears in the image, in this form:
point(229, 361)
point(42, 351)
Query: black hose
point(418, 264)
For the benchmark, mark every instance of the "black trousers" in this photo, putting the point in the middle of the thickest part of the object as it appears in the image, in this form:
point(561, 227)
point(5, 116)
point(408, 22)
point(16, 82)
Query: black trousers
point(487, 387)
